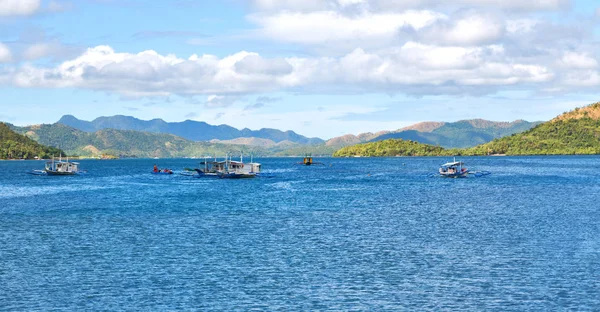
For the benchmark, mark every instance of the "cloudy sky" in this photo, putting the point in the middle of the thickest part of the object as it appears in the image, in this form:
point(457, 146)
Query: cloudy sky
point(318, 67)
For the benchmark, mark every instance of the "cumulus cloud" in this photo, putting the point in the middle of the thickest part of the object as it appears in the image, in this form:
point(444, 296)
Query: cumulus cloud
point(254, 64)
point(19, 7)
point(48, 49)
point(578, 60)
point(331, 27)
point(463, 29)
point(5, 54)
point(411, 68)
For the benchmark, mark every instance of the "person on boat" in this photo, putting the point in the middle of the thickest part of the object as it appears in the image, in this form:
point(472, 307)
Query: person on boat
point(155, 168)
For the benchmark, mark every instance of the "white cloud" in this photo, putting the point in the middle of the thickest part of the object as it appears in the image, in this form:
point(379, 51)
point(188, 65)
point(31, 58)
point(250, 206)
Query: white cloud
point(5, 54)
point(583, 78)
point(465, 29)
point(40, 50)
point(18, 7)
point(578, 60)
point(254, 64)
point(330, 27)
point(413, 68)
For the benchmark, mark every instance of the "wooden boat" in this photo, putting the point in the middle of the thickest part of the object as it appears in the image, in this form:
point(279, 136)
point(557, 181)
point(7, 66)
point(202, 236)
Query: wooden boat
point(308, 161)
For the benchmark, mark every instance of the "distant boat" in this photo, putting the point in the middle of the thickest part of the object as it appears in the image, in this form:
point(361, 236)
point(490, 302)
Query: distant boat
point(454, 169)
point(156, 170)
point(163, 171)
point(308, 161)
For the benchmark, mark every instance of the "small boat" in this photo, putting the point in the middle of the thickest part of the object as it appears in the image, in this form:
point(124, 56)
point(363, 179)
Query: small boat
point(163, 171)
point(308, 161)
point(455, 169)
point(156, 170)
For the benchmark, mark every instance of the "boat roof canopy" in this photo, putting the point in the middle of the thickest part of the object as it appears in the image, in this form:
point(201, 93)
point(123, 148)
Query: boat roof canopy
point(454, 163)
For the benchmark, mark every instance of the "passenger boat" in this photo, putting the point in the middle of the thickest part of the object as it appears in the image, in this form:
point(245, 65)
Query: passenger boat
point(59, 168)
point(229, 169)
point(454, 169)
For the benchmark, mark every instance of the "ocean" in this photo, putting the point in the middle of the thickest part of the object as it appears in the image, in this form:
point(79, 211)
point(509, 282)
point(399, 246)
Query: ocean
point(353, 234)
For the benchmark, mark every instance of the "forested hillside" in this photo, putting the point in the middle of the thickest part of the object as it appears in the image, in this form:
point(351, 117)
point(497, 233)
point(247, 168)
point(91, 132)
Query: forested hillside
point(17, 146)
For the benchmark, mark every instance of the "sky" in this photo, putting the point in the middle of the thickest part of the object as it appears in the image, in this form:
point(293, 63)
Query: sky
point(322, 68)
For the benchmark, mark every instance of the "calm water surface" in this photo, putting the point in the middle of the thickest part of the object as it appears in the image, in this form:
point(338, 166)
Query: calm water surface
point(355, 234)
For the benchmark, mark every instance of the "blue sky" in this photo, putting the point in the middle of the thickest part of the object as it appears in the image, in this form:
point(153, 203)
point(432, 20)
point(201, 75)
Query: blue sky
point(319, 67)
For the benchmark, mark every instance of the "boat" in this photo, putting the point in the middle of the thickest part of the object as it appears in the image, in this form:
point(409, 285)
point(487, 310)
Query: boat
point(59, 168)
point(163, 171)
point(308, 161)
point(229, 169)
point(156, 170)
point(454, 169)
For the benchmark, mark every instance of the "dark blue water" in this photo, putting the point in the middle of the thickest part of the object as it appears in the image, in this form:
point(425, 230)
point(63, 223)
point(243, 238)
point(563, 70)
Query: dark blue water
point(355, 234)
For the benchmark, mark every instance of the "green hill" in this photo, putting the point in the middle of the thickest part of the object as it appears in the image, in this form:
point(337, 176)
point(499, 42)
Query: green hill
point(574, 132)
point(17, 146)
point(460, 134)
point(391, 147)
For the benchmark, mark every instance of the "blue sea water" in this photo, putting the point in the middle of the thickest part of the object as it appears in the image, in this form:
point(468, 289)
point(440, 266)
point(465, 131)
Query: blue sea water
point(355, 234)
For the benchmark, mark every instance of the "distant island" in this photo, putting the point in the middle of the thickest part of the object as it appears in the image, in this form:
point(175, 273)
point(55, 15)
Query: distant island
point(573, 133)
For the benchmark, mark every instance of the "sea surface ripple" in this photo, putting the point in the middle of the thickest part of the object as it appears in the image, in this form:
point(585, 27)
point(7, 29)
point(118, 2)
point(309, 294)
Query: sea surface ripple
point(353, 234)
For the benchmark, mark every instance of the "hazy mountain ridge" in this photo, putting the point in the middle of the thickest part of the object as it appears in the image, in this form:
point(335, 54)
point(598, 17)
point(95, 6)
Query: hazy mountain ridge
point(460, 134)
point(127, 143)
point(191, 130)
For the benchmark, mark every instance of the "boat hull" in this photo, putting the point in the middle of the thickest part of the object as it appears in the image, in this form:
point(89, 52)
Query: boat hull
point(455, 175)
point(237, 175)
point(58, 173)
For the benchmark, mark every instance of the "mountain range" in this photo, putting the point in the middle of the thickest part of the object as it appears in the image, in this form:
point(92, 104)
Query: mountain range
point(128, 143)
point(189, 129)
point(129, 136)
point(460, 134)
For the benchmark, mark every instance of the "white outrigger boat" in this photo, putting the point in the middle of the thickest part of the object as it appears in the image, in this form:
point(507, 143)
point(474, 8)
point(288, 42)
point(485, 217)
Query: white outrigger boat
point(229, 169)
point(455, 169)
point(59, 168)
